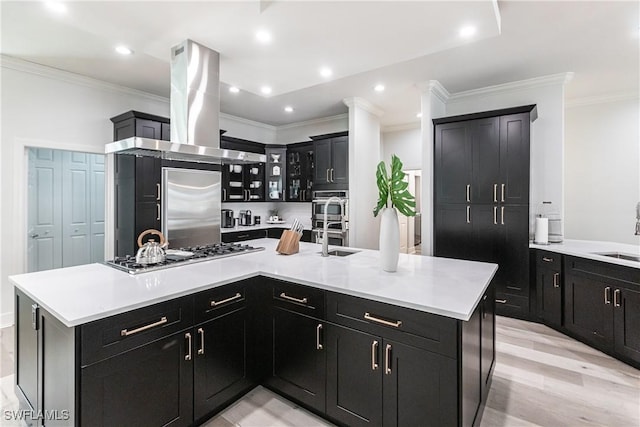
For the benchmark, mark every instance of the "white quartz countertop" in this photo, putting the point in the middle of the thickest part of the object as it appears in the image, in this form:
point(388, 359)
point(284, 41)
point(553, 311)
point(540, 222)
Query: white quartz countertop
point(448, 287)
point(262, 226)
point(592, 250)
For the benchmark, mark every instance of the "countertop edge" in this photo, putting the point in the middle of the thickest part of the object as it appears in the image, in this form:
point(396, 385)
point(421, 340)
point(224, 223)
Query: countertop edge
point(562, 248)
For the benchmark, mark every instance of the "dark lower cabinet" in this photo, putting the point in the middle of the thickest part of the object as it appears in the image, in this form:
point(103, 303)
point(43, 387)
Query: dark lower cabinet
point(354, 376)
point(588, 309)
point(27, 347)
point(626, 309)
point(488, 340)
point(298, 367)
point(240, 236)
point(150, 386)
point(549, 287)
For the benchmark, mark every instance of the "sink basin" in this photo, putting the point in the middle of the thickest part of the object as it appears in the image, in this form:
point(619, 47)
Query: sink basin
point(340, 252)
point(620, 255)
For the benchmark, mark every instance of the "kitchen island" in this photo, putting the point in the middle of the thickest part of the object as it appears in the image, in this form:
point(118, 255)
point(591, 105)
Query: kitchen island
point(338, 335)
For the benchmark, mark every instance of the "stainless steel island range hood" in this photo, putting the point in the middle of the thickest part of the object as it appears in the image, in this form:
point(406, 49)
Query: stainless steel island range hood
point(195, 110)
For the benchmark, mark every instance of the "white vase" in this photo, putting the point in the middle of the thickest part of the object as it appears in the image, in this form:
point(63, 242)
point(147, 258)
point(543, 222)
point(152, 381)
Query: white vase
point(389, 239)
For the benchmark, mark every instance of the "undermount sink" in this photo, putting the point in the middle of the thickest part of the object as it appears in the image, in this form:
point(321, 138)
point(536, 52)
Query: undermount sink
point(340, 252)
point(620, 255)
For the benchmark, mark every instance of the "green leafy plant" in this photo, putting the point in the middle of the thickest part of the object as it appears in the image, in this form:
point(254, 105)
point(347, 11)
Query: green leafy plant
point(395, 188)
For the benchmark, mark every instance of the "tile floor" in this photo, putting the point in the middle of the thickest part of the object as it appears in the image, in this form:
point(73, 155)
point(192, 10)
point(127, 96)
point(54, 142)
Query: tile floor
point(542, 378)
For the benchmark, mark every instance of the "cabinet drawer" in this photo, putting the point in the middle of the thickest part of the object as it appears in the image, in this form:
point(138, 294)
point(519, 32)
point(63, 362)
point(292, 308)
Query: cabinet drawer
point(298, 298)
point(549, 260)
point(512, 305)
point(221, 300)
point(626, 276)
point(240, 236)
point(116, 334)
point(424, 330)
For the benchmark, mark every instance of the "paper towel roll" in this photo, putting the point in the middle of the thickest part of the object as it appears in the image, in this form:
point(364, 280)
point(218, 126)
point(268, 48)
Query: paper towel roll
point(542, 231)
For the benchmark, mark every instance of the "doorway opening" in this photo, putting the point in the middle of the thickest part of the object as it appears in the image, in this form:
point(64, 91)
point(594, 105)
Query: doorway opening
point(65, 208)
point(410, 227)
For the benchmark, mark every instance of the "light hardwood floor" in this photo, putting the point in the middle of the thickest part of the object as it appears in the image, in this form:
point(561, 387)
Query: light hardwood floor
point(542, 378)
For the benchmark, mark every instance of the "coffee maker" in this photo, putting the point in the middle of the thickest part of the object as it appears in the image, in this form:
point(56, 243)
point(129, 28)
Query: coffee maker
point(227, 218)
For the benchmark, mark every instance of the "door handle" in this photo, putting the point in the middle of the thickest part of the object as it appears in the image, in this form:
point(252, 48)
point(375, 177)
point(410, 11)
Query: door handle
point(395, 324)
point(374, 355)
point(495, 193)
point(468, 192)
point(495, 215)
point(238, 295)
point(328, 180)
point(387, 359)
point(501, 301)
point(556, 280)
point(318, 330)
point(298, 300)
point(125, 332)
point(616, 296)
point(158, 211)
point(607, 295)
point(545, 259)
point(201, 333)
point(502, 215)
point(331, 174)
point(468, 214)
point(157, 191)
point(224, 194)
point(502, 192)
point(33, 236)
point(188, 338)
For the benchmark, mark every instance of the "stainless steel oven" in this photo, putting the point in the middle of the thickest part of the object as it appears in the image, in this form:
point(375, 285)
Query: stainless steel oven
point(337, 216)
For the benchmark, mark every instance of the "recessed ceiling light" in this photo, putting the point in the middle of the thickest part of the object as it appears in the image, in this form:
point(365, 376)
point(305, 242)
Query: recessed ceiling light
point(56, 6)
point(288, 109)
point(263, 36)
point(265, 89)
point(123, 50)
point(326, 72)
point(379, 87)
point(419, 115)
point(467, 31)
point(234, 89)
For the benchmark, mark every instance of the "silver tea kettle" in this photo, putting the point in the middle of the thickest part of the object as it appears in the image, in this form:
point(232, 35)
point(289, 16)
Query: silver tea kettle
point(151, 252)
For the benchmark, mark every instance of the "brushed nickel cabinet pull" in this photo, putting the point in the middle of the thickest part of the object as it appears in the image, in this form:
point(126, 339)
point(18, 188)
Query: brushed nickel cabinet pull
point(468, 192)
point(158, 211)
point(395, 324)
point(502, 192)
point(298, 300)
point(374, 355)
point(238, 295)
point(331, 174)
point(387, 359)
point(126, 332)
point(556, 280)
point(501, 301)
point(201, 333)
point(495, 215)
point(545, 259)
point(318, 330)
point(158, 191)
point(502, 215)
point(495, 193)
point(328, 180)
point(468, 214)
point(224, 194)
point(607, 295)
point(616, 298)
point(188, 355)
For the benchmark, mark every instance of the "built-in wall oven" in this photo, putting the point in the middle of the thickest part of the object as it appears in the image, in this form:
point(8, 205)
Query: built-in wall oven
point(337, 216)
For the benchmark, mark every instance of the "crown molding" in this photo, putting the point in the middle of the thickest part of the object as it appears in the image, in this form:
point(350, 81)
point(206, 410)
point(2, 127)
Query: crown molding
point(249, 122)
point(401, 127)
point(313, 122)
point(21, 65)
point(434, 87)
point(600, 99)
point(553, 79)
point(364, 104)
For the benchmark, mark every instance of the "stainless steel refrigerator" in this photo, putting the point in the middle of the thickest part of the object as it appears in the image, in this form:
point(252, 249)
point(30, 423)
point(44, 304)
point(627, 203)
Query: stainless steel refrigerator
point(191, 207)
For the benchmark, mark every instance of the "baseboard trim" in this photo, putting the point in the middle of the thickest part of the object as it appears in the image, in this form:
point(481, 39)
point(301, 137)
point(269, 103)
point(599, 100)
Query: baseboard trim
point(6, 320)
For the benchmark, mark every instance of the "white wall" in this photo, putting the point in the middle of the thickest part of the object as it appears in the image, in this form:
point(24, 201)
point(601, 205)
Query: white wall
point(238, 127)
point(404, 143)
point(602, 171)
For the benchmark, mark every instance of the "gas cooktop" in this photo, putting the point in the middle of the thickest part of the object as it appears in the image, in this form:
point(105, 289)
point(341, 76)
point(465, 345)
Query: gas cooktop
point(183, 256)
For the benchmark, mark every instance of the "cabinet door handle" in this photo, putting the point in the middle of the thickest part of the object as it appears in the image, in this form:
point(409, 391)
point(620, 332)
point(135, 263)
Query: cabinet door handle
point(616, 298)
point(468, 192)
point(188, 355)
point(201, 333)
point(328, 180)
point(502, 192)
point(298, 300)
point(158, 191)
point(224, 194)
point(318, 330)
point(545, 259)
point(468, 214)
point(387, 359)
point(126, 332)
point(495, 193)
point(556, 280)
point(374, 355)
point(495, 215)
point(501, 301)
point(158, 211)
point(34, 316)
point(238, 295)
point(395, 324)
point(607, 295)
point(502, 215)
point(331, 174)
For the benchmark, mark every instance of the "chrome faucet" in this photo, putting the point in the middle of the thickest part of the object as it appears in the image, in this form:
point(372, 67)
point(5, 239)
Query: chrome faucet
point(638, 219)
point(325, 224)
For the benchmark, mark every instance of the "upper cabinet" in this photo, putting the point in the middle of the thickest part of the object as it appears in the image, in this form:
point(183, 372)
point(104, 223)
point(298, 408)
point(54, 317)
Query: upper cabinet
point(331, 161)
point(276, 173)
point(300, 171)
point(243, 182)
point(135, 123)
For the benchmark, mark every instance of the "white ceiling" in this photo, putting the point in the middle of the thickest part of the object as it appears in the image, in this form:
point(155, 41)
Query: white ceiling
point(399, 44)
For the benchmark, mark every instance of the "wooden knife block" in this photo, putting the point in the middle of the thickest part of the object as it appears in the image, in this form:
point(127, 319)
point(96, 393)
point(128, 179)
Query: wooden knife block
point(289, 243)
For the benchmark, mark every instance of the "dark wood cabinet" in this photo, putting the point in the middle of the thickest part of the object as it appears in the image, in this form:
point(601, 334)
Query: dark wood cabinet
point(27, 347)
point(626, 330)
point(276, 173)
point(136, 123)
point(331, 162)
point(300, 172)
point(488, 340)
point(481, 181)
point(243, 183)
point(549, 287)
point(239, 236)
